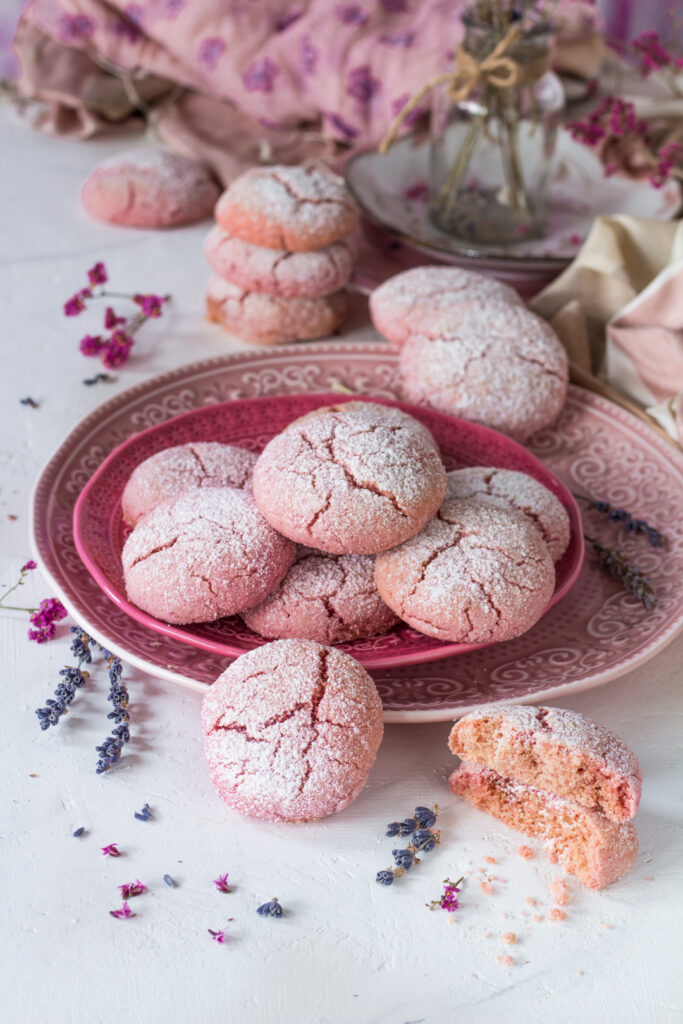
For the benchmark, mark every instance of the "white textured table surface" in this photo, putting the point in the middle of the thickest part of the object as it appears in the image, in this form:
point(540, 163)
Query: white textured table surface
point(347, 949)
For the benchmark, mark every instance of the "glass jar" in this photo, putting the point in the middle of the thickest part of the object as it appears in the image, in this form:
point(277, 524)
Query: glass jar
point(492, 152)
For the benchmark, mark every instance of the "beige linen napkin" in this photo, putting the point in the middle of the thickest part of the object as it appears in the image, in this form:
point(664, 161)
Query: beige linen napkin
point(618, 308)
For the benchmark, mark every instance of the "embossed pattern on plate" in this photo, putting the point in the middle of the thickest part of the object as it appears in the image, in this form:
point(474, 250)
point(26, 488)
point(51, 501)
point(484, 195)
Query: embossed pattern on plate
point(597, 632)
point(250, 423)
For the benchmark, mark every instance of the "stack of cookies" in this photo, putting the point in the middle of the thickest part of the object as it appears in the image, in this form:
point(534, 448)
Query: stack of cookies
point(282, 252)
point(555, 775)
point(469, 347)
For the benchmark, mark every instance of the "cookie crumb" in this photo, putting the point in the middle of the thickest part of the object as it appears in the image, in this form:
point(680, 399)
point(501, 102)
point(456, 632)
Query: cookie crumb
point(530, 901)
point(507, 961)
point(556, 914)
point(560, 892)
point(525, 852)
point(509, 938)
point(485, 887)
point(490, 860)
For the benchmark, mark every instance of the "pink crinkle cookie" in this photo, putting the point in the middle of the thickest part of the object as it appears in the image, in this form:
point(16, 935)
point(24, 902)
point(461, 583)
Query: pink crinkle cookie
point(416, 300)
point(185, 467)
point(291, 208)
point(149, 188)
point(495, 363)
point(271, 320)
point(586, 843)
point(323, 597)
point(475, 574)
point(204, 555)
point(508, 489)
point(555, 750)
point(350, 480)
point(277, 272)
point(291, 731)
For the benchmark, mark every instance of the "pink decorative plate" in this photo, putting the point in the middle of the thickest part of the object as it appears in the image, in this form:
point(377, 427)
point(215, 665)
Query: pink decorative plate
point(596, 633)
point(99, 531)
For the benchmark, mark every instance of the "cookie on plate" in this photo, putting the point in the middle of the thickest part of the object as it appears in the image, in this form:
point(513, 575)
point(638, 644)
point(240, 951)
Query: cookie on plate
point(350, 480)
point(149, 188)
point(508, 489)
point(204, 555)
point(291, 731)
point(475, 574)
point(287, 207)
point(415, 301)
point(323, 597)
point(495, 363)
point(184, 467)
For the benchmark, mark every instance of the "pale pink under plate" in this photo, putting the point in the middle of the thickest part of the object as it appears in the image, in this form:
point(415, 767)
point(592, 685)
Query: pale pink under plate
point(596, 633)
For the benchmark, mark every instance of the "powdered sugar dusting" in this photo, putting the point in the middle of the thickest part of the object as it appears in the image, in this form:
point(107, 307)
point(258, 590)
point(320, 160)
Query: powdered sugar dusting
point(170, 472)
point(324, 597)
point(475, 574)
point(416, 299)
point(206, 554)
point(496, 363)
point(554, 749)
point(287, 207)
point(587, 844)
point(292, 729)
point(270, 319)
point(508, 489)
point(350, 480)
point(276, 271)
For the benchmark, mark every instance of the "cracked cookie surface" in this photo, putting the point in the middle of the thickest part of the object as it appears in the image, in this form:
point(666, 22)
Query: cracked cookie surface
point(149, 188)
point(416, 300)
point(278, 272)
point(508, 489)
point(475, 574)
point(350, 480)
point(204, 555)
point(323, 597)
point(291, 731)
point(287, 207)
point(184, 467)
point(270, 319)
point(495, 363)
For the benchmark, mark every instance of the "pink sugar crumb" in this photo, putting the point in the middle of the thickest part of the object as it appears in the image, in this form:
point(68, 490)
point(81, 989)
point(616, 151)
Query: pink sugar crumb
point(560, 892)
point(537, 918)
point(530, 901)
point(556, 914)
point(507, 961)
point(485, 887)
point(490, 860)
point(525, 852)
point(509, 938)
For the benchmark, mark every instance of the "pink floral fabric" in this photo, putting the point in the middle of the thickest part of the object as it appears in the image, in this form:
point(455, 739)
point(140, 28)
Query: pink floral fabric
point(351, 66)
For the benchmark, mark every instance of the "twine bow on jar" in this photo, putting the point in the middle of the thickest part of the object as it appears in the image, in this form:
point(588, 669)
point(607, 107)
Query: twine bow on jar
point(499, 69)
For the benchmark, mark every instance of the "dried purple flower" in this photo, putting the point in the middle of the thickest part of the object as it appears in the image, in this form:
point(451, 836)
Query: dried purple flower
point(98, 274)
point(385, 877)
point(627, 520)
point(28, 566)
point(170, 882)
point(447, 900)
point(99, 378)
point(111, 850)
point(79, 832)
point(270, 909)
point(111, 319)
point(124, 912)
point(221, 883)
point(151, 305)
point(629, 575)
point(426, 816)
point(80, 645)
point(117, 349)
point(73, 679)
point(404, 858)
point(423, 841)
point(110, 750)
point(74, 306)
point(146, 813)
point(91, 344)
point(217, 936)
point(31, 402)
point(130, 889)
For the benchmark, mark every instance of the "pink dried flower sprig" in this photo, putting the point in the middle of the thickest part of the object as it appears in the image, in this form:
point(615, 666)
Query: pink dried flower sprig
point(124, 912)
point(624, 144)
point(111, 850)
point(651, 56)
point(448, 899)
point(221, 883)
point(43, 618)
point(130, 889)
point(113, 348)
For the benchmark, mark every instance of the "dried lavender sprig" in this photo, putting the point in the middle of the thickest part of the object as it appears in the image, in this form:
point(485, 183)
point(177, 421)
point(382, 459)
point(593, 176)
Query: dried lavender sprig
point(110, 750)
point(655, 538)
point(629, 575)
point(73, 679)
point(423, 841)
